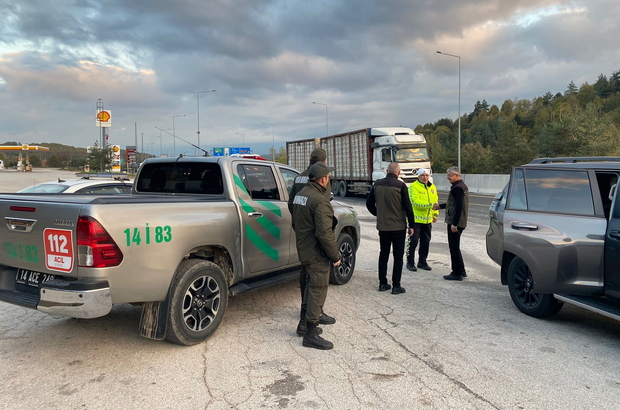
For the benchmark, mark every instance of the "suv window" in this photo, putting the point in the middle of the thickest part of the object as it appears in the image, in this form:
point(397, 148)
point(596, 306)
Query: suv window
point(550, 190)
point(518, 200)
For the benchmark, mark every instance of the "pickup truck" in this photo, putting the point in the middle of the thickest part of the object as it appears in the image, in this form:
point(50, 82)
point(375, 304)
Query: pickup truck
point(193, 232)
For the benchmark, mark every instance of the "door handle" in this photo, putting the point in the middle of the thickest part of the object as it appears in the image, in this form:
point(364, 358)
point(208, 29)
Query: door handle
point(19, 224)
point(255, 215)
point(523, 226)
point(614, 234)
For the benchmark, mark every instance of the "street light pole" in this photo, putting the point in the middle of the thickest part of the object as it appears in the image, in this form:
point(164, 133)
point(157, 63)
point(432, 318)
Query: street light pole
point(459, 136)
point(154, 143)
point(174, 136)
point(160, 139)
point(242, 138)
point(273, 143)
point(198, 112)
point(326, 120)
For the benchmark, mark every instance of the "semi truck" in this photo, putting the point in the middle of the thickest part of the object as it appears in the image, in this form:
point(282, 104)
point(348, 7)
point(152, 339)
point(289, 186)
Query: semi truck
point(361, 157)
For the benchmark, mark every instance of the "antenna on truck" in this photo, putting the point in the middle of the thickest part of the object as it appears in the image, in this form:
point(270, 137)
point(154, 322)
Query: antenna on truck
point(187, 142)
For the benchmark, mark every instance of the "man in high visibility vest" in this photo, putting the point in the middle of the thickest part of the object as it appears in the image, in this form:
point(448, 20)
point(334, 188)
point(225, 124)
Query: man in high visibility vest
point(423, 196)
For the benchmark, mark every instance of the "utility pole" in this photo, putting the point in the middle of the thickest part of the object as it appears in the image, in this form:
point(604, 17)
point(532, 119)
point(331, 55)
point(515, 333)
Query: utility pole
point(99, 109)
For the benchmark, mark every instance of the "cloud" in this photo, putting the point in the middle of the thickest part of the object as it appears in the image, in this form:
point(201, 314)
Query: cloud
point(373, 62)
point(33, 76)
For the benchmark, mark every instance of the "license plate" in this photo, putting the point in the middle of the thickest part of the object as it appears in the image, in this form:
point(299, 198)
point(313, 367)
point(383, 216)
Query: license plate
point(32, 278)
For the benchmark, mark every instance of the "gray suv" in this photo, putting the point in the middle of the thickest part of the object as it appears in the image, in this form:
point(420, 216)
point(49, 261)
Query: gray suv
point(555, 232)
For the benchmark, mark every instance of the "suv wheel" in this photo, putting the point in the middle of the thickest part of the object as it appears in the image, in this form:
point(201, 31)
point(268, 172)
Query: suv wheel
point(520, 285)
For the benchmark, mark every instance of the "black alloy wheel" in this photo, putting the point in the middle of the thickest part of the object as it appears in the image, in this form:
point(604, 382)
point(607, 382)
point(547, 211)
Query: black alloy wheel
point(198, 302)
point(521, 288)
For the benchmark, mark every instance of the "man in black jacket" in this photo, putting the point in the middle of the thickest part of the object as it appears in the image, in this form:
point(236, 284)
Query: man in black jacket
point(389, 202)
point(456, 221)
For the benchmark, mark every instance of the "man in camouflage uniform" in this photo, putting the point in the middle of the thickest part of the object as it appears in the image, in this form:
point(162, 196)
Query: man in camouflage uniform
point(316, 247)
point(317, 155)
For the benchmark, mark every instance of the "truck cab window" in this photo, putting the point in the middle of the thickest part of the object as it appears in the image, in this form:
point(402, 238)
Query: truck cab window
point(289, 178)
point(404, 155)
point(259, 181)
point(386, 155)
point(181, 178)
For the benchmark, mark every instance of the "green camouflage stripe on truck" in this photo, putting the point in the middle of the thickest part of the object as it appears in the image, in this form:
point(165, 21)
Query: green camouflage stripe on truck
point(257, 239)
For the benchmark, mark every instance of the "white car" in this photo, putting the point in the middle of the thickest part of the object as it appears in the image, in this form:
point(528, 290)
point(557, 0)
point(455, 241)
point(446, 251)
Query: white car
point(82, 186)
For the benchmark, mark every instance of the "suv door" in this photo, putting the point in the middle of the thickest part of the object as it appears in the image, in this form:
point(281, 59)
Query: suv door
point(554, 221)
point(612, 249)
point(495, 234)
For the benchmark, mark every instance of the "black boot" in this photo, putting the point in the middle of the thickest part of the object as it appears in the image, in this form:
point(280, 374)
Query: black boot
point(302, 328)
point(312, 338)
point(325, 319)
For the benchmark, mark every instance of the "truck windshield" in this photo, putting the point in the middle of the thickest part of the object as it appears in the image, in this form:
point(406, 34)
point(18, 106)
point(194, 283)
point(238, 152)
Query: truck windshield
point(411, 155)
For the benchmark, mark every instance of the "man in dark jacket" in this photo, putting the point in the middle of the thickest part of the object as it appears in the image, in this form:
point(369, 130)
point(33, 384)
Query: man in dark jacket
point(456, 221)
point(316, 247)
point(389, 202)
point(317, 155)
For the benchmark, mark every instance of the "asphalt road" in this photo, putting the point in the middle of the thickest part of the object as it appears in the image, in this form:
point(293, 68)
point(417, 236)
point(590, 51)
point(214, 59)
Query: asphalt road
point(441, 345)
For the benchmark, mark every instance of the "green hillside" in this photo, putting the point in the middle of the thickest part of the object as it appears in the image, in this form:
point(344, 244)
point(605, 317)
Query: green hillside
point(580, 121)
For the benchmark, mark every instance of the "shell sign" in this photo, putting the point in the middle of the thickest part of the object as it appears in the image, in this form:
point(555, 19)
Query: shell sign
point(116, 158)
point(104, 118)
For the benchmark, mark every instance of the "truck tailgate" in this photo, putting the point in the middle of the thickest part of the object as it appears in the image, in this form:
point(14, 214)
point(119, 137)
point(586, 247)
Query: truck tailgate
point(39, 233)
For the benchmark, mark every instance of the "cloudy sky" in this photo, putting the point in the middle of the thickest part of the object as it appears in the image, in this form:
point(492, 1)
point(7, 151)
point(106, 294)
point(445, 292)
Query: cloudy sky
point(373, 62)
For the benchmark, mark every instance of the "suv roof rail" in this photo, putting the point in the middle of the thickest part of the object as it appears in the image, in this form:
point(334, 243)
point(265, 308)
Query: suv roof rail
point(573, 159)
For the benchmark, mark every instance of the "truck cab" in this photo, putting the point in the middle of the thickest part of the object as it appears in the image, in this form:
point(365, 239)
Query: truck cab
point(401, 145)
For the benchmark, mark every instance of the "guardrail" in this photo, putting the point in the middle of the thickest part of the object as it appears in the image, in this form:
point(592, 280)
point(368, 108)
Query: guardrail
point(486, 184)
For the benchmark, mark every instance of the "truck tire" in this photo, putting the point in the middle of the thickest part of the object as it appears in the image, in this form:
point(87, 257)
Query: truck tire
point(520, 284)
point(198, 301)
point(343, 190)
point(341, 274)
point(335, 185)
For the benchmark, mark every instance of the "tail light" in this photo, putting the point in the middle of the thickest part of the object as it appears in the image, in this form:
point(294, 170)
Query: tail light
point(96, 248)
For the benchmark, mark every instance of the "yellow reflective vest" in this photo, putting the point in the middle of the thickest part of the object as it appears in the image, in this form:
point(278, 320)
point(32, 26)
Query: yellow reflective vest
point(422, 198)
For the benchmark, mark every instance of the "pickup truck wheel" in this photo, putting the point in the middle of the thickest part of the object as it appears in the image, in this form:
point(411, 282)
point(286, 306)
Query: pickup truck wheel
point(520, 286)
point(198, 301)
point(342, 273)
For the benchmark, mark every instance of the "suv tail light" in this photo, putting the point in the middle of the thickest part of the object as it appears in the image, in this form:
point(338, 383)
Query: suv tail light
point(96, 248)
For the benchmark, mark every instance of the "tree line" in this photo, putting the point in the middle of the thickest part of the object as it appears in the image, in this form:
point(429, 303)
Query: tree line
point(60, 156)
point(582, 121)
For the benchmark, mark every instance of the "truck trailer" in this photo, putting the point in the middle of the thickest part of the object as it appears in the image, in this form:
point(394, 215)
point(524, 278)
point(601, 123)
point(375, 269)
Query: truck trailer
point(359, 158)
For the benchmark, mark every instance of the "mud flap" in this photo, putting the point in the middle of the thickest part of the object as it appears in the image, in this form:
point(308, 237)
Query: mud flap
point(154, 319)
